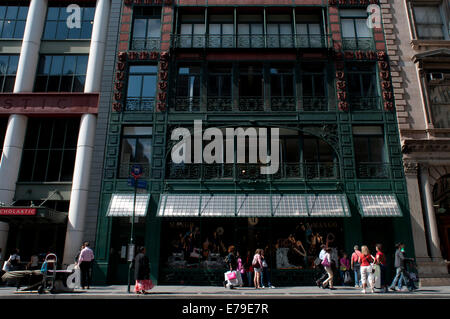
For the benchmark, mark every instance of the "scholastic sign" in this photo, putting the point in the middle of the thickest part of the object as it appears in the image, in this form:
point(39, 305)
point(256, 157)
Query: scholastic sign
point(17, 211)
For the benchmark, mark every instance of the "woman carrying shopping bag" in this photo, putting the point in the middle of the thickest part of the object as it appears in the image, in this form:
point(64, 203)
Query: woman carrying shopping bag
point(366, 260)
point(142, 272)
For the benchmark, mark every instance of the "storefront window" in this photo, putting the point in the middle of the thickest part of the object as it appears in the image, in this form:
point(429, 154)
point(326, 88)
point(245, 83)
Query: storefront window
point(288, 243)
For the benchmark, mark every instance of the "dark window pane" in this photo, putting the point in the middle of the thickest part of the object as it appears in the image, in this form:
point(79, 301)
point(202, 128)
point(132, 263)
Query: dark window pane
point(143, 147)
point(377, 149)
point(86, 30)
point(53, 84)
point(11, 12)
point(57, 65)
point(32, 134)
point(82, 61)
point(139, 28)
point(69, 64)
point(8, 29)
point(149, 86)
point(310, 150)
point(78, 83)
point(88, 13)
point(13, 62)
point(59, 134)
point(2, 11)
point(45, 134)
point(4, 61)
point(292, 150)
point(361, 149)
point(66, 84)
point(52, 13)
point(68, 165)
point(72, 133)
point(128, 150)
point(134, 86)
point(9, 84)
point(41, 84)
point(44, 64)
point(74, 33)
point(40, 165)
point(54, 166)
point(20, 28)
point(50, 30)
point(319, 85)
point(23, 13)
point(26, 166)
point(61, 32)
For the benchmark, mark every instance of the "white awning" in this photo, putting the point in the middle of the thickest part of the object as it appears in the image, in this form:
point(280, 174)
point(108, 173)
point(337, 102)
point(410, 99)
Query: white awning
point(253, 205)
point(379, 206)
point(334, 205)
point(121, 205)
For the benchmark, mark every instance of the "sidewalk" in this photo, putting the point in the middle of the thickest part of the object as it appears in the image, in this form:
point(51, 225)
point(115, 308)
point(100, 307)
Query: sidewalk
point(203, 292)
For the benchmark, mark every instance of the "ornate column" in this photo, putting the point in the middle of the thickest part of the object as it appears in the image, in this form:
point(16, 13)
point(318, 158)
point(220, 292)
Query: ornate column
point(430, 217)
point(411, 169)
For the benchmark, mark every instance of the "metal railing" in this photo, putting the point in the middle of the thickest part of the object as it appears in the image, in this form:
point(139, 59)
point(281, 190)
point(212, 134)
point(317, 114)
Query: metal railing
point(303, 171)
point(220, 104)
point(187, 104)
point(373, 170)
point(363, 103)
point(146, 44)
point(140, 104)
point(315, 103)
point(283, 103)
point(246, 41)
point(251, 103)
point(358, 44)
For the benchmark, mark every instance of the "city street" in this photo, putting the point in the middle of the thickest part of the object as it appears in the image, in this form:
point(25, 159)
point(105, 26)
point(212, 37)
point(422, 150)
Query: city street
point(203, 292)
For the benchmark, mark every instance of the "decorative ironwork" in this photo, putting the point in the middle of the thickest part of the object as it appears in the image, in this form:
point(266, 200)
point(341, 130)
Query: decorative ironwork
point(220, 104)
point(187, 104)
point(140, 104)
point(228, 41)
point(251, 103)
point(358, 44)
point(359, 103)
point(315, 103)
point(373, 170)
point(146, 44)
point(283, 103)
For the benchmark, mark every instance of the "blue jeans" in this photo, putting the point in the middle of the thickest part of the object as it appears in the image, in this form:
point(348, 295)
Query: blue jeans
point(357, 272)
point(265, 275)
point(399, 277)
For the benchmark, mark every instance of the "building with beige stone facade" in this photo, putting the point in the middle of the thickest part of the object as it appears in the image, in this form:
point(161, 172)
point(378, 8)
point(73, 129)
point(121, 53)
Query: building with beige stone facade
point(418, 41)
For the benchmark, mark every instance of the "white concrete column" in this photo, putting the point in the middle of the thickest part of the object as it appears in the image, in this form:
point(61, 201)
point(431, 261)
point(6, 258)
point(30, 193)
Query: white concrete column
point(17, 124)
point(86, 136)
point(430, 217)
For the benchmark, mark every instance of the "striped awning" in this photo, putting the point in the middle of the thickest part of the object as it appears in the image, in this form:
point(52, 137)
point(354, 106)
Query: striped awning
point(121, 205)
point(253, 205)
point(379, 206)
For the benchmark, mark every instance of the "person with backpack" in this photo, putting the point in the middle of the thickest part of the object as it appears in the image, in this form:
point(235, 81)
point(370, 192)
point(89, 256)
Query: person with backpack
point(326, 263)
point(257, 267)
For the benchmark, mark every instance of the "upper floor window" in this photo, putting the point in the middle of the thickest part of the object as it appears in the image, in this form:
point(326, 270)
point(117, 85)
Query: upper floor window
point(8, 69)
point(136, 148)
point(220, 85)
point(370, 151)
point(188, 88)
point(250, 31)
point(49, 150)
point(430, 22)
point(251, 87)
point(282, 88)
point(146, 28)
point(355, 32)
point(438, 82)
point(61, 73)
point(141, 88)
point(279, 31)
point(12, 21)
point(309, 30)
point(314, 86)
point(221, 31)
point(56, 27)
point(362, 86)
point(192, 31)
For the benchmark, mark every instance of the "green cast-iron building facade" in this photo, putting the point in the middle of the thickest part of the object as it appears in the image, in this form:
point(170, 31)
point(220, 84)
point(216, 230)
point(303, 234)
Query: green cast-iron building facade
point(313, 69)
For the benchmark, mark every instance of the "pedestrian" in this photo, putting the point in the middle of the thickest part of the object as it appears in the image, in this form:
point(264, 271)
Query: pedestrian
point(365, 260)
point(231, 258)
point(257, 267)
point(249, 268)
point(240, 265)
point(344, 267)
point(326, 263)
point(400, 267)
point(142, 272)
point(85, 262)
point(14, 260)
point(380, 261)
point(323, 272)
point(265, 273)
point(356, 266)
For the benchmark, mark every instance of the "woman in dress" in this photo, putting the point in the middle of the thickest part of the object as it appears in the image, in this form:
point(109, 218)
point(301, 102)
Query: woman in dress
point(142, 272)
point(257, 267)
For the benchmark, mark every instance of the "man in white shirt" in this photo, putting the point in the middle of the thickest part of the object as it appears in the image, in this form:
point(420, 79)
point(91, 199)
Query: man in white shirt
point(323, 272)
point(85, 261)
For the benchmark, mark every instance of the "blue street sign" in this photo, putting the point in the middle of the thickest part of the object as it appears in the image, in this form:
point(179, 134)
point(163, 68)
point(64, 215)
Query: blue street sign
point(140, 183)
point(136, 170)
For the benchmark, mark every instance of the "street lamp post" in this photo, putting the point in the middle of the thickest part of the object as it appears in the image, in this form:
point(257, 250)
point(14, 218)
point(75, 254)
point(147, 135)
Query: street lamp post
point(136, 172)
